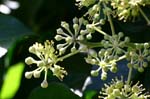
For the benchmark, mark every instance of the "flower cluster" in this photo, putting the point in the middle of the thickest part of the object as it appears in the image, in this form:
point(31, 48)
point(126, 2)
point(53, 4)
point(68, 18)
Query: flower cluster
point(127, 9)
point(118, 89)
point(102, 59)
point(139, 56)
point(86, 3)
point(114, 44)
point(48, 59)
point(72, 38)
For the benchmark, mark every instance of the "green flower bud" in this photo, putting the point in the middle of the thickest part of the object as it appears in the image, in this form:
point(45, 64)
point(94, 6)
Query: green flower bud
point(44, 84)
point(102, 21)
point(73, 49)
point(113, 69)
point(127, 39)
point(104, 76)
point(40, 63)
point(60, 31)
point(59, 46)
point(29, 60)
point(32, 49)
point(94, 73)
point(145, 64)
point(65, 25)
point(37, 74)
point(75, 26)
point(59, 37)
point(129, 65)
point(89, 36)
point(80, 37)
point(62, 50)
point(146, 45)
point(75, 20)
point(109, 90)
point(93, 53)
point(96, 16)
point(135, 89)
point(141, 69)
point(116, 92)
point(127, 88)
point(120, 34)
point(28, 75)
point(148, 58)
point(119, 84)
point(68, 39)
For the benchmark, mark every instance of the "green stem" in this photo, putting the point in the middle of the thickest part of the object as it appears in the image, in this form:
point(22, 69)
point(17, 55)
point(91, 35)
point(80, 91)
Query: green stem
point(91, 44)
point(121, 58)
point(68, 55)
point(100, 31)
point(129, 76)
point(144, 15)
point(110, 20)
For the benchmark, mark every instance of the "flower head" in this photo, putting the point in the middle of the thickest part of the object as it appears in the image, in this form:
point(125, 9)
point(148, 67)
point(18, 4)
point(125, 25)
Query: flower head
point(47, 61)
point(118, 89)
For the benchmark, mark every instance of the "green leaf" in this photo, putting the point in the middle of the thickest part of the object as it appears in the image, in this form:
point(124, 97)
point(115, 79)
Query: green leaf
point(90, 94)
point(12, 81)
point(54, 91)
point(10, 30)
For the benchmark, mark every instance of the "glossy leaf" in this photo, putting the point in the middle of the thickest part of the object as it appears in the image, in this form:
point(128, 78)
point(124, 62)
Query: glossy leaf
point(54, 91)
point(10, 30)
point(12, 81)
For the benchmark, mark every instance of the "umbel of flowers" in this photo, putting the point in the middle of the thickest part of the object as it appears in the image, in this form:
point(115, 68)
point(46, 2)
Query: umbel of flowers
point(76, 38)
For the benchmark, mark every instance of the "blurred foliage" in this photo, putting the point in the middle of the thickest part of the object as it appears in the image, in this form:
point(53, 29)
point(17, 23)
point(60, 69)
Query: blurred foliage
point(36, 21)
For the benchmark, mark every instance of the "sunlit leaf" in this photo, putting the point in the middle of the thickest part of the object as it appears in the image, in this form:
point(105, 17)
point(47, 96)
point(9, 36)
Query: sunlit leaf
point(12, 81)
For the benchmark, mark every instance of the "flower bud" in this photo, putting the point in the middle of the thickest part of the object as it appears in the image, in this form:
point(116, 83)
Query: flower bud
point(65, 25)
point(68, 39)
point(104, 76)
point(44, 84)
point(75, 26)
point(75, 20)
point(36, 74)
point(89, 36)
point(59, 37)
point(80, 37)
point(146, 45)
point(73, 49)
point(102, 21)
point(29, 60)
point(32, 49)
point(59, 46)
point(120, 34)
point(40, 63)
point(116, 92)
point(28, 75)
point(135, 89)
point(60, 31)
point(141, 69)
point(94, 73)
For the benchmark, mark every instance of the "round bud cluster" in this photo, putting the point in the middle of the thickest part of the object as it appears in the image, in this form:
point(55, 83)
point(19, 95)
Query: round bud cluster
point(48, 59)
point(102, 60)
point(114, 44)
point(117, 89)
point(139, 56)
point(71, 38)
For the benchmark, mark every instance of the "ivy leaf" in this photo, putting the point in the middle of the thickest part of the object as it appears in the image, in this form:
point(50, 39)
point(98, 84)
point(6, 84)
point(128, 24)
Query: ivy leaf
point(12, 81)
point(10, 30)
point(54, 91)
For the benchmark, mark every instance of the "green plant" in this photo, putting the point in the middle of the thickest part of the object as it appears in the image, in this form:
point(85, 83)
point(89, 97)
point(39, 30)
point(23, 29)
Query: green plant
point(114, 46)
